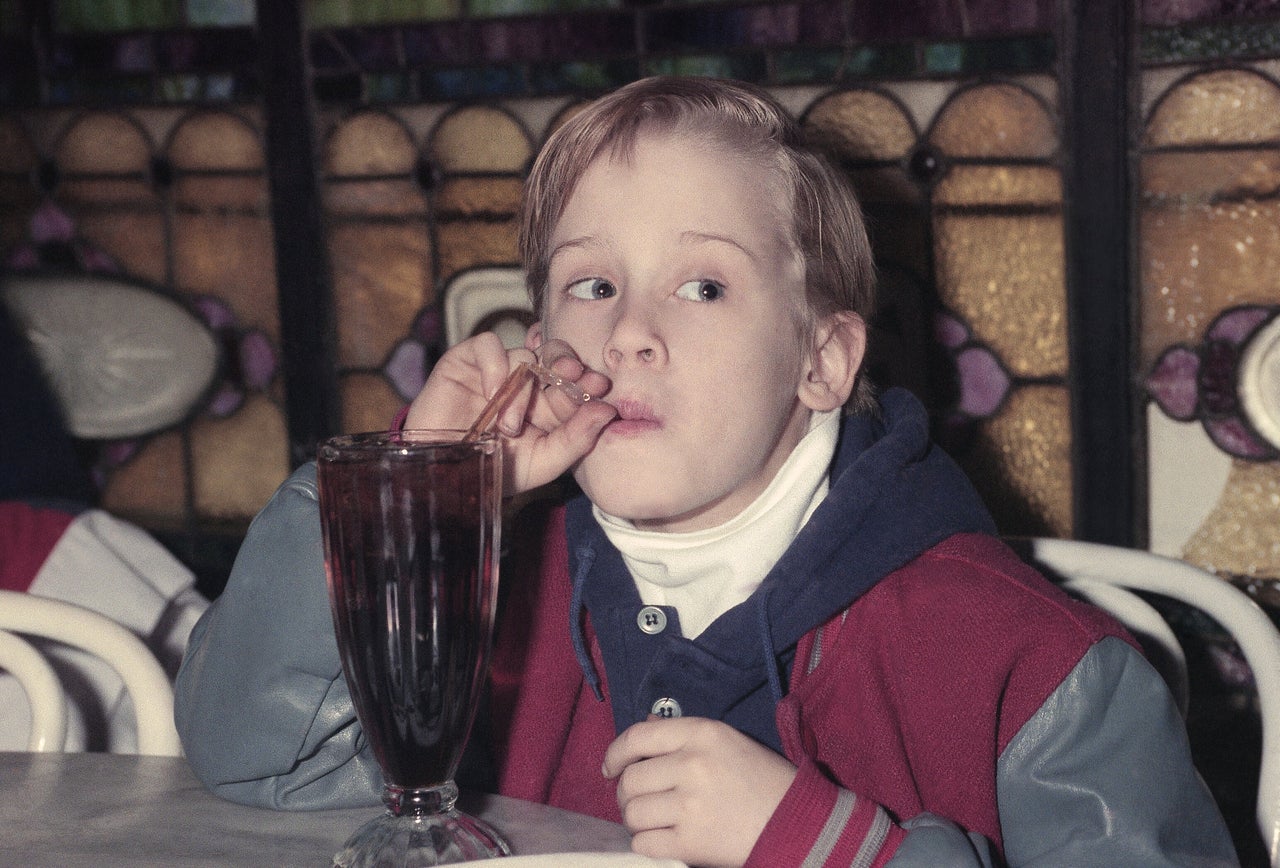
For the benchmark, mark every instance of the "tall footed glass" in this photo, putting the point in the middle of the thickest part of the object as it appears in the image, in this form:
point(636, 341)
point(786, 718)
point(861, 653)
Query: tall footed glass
point(411, 523)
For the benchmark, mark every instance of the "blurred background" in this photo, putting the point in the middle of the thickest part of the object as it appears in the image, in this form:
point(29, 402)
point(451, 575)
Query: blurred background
point(290, 208)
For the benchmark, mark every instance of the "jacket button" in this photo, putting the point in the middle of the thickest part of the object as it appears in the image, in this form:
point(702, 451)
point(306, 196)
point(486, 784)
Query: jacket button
point(666, 707)
point(652, 620)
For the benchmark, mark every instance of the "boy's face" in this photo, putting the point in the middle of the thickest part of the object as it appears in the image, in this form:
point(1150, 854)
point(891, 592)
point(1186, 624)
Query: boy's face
point(673, 273)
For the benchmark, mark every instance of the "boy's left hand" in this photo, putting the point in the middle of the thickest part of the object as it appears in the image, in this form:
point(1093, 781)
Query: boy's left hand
point(695, 789)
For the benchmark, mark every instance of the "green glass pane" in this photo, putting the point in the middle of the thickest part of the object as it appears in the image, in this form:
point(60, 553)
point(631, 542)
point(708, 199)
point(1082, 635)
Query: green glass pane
point(346, 13)
point(496, 8)
point(580, 76)
point(1180, 44)
point(220, 13)
point(104, 15)
point(388, 87)
point(801, 65)
point(342, 13)
point(1030, 54)
point(745, 67)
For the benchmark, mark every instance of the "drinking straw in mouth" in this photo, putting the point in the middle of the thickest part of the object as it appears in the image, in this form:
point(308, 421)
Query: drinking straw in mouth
point(495, 405)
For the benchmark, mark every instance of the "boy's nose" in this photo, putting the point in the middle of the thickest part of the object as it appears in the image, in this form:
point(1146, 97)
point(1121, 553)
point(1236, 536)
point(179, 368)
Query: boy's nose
point(633, 340)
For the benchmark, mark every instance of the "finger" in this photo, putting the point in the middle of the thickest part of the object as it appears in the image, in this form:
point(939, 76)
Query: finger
point(565, 444)
point(650, 811)
point(650, 776)
point(650, 738)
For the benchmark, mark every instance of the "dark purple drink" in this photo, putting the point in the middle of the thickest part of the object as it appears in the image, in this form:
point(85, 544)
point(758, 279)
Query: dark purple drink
point(411, 532)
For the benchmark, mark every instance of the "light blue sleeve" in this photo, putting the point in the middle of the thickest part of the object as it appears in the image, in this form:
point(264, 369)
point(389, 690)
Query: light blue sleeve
point(260, 702)
point(1100, 775)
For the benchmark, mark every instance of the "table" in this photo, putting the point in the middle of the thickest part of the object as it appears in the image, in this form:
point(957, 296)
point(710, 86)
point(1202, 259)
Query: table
point(81, 809)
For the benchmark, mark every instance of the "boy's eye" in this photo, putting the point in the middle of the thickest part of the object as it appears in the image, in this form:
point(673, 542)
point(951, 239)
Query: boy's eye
point(592, 288)
point(700, 290)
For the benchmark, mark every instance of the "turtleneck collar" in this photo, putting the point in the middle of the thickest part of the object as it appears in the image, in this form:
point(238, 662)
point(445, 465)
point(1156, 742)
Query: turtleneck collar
point(704, 573)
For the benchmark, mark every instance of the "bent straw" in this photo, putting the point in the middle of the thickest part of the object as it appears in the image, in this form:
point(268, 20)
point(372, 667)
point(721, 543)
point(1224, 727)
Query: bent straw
point(496, 404)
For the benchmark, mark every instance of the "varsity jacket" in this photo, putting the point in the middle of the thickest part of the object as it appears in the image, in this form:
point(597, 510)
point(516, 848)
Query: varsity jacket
point(944, 704)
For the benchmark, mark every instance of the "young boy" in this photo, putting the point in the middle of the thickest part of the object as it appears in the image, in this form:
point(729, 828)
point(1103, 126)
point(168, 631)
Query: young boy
point(768, 632)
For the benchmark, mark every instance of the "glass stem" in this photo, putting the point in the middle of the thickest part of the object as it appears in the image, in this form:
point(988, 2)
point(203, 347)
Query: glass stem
point(420, 801)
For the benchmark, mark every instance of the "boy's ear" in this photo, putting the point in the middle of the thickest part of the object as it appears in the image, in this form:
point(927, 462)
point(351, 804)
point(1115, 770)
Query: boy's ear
point(839, 343)
point(533, 337)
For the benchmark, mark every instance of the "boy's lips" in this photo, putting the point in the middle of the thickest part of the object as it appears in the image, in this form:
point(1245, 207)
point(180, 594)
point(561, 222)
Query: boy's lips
point(634, 417)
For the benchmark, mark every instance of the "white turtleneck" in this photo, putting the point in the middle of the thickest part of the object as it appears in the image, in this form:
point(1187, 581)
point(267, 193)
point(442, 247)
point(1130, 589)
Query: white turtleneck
point(704, 573)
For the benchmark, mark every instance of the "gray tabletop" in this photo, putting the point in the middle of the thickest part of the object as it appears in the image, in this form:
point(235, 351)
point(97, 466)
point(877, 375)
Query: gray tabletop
point(118, 810)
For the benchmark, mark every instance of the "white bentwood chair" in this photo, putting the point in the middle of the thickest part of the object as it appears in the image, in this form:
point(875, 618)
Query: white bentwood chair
point(23, 615)
point(1105, 575)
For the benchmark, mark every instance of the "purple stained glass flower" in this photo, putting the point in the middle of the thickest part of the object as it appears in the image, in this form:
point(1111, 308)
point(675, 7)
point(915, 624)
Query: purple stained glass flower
point(250, 362)
point(984, 381)
point(1189, 383)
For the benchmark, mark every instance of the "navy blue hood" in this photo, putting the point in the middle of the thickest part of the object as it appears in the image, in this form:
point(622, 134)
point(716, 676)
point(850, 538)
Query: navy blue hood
point(893, 495)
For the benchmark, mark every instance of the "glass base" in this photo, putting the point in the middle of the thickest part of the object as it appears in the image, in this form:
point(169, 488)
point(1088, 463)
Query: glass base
point(410, 835)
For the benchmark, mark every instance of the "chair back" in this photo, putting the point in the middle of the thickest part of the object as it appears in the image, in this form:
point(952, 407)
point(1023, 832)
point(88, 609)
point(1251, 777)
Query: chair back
point(144, 679)
point(1101, 573)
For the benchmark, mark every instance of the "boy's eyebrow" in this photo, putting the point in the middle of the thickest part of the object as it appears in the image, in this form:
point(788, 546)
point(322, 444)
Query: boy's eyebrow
point(698, 236)
point(572, 243)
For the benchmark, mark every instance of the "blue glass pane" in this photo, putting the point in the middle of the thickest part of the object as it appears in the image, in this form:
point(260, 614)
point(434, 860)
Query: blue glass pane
point(104, 15)
point(112, 90)
point(75, 54)
point(451, 84)
point(445, 43)
point(813, 66)
point(220, 13)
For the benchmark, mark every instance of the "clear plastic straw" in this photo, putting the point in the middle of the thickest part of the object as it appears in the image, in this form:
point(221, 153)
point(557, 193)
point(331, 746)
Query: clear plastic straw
point(495, 405)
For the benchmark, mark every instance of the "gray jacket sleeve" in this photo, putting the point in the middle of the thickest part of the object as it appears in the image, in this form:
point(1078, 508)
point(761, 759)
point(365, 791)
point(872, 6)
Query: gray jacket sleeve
point(260, 702)
point(1100, 775)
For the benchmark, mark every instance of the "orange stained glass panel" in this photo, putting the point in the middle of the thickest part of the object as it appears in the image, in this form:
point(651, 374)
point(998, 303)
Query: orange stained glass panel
point(1228, 106)
point(1239, 535)
point(472, 243)
point(369, 402)
point(1004, 276)
point(370, 143)
point(151, 486)
point(104, 142)
point(1000, 185)
point(480, 139)
point(860, 125)
point(1198, 258)
point(216, 140)
point(135, 240)
point(470, 197)
point(1022, 463)
point(382, 278)
point(994, 120)
point(387, 197)
point(238, 462)
point(1203, 175)
point(229, 255)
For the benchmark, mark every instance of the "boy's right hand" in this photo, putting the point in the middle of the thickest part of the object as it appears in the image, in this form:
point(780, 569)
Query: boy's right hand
point(545, 431)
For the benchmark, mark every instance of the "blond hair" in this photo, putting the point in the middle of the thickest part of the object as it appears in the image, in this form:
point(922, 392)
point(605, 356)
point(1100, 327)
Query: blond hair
point(827, 225)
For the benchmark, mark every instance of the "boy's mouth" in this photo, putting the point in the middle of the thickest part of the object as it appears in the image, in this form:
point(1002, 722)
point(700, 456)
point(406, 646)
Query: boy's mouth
point(634, 417)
